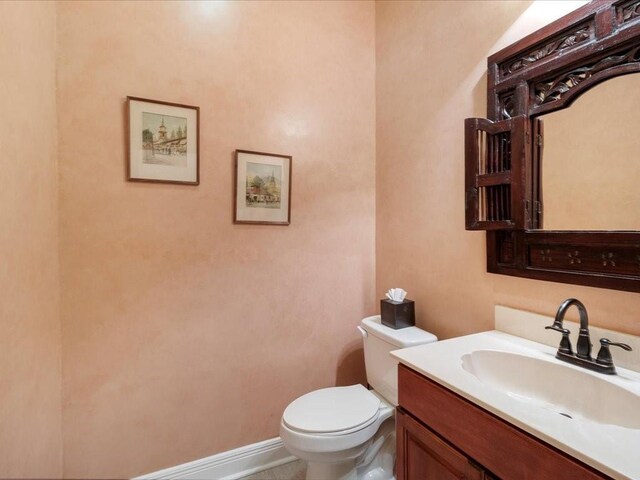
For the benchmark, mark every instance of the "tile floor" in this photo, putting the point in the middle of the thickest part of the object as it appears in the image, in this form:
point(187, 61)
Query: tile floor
point(289, 471)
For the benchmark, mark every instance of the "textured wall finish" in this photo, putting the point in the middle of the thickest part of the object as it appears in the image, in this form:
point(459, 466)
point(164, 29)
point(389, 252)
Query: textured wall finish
point(183, 334)
point(430, 75)
point(30, 442)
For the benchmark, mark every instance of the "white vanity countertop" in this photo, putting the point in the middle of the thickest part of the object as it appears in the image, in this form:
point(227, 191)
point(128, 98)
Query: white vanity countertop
point(612, 449)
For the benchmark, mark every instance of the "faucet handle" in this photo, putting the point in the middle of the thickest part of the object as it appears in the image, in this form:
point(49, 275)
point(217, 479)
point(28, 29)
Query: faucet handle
point(604, 355)
point(565, 343)
point(624, 346)
point(557, 328)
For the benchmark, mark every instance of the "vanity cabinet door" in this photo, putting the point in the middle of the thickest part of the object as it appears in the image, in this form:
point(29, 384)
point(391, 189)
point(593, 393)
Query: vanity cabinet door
point(423, 455)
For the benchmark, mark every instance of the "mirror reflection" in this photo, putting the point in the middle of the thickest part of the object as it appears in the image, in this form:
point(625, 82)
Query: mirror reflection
point(591, 160)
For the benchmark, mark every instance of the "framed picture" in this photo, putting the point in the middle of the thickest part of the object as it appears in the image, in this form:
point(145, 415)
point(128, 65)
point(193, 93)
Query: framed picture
point(263, 188)
point(164, 142)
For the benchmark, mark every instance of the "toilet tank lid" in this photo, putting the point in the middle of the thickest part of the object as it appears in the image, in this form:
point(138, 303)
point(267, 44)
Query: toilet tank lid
point(401, 338)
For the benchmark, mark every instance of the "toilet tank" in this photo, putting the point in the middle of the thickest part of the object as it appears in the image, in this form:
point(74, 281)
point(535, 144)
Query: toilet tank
point(379, 340)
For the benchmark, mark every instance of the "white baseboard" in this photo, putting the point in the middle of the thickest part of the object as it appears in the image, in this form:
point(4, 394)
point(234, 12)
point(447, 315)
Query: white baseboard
point(230, 465)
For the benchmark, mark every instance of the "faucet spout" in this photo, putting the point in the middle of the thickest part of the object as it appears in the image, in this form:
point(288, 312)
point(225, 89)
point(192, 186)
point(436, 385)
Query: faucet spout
point(583, 347)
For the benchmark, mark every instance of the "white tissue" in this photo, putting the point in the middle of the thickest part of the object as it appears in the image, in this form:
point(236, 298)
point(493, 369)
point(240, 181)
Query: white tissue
point(396, 294)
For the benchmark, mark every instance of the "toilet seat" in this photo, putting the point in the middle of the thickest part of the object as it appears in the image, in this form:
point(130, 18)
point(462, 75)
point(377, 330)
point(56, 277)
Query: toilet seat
point(332, 411)
point(350, 440)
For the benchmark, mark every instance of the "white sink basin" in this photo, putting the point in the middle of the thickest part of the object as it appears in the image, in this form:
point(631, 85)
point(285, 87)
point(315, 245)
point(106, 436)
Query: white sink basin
point(560, 388)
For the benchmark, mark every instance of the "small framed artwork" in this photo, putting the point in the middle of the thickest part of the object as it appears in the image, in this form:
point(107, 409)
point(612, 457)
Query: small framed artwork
point(164, 142)
point(263, 188)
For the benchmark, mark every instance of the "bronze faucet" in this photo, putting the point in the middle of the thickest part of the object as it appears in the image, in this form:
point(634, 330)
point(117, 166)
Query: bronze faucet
point(582, 357)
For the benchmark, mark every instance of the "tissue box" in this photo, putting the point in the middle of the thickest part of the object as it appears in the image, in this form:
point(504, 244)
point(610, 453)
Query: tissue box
point(398, 314)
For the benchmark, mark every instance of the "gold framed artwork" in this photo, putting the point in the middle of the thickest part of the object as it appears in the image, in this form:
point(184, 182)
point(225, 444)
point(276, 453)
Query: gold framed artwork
point(262, 188)
point(164, 142)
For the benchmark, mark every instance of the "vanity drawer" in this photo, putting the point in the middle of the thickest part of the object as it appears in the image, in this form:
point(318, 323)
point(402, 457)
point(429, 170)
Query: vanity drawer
point(505, 450)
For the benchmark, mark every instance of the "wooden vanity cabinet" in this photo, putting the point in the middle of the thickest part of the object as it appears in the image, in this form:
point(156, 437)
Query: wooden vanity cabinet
point(442, 436)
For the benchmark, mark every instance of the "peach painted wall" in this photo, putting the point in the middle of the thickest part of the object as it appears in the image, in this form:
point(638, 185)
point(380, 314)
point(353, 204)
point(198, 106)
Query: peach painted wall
point(30, 435)
point(431, 74)
point(185, 335)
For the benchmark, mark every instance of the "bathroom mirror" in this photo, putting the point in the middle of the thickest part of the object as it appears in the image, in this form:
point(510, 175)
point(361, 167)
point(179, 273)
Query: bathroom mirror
point(591, 180)
point(551, 173)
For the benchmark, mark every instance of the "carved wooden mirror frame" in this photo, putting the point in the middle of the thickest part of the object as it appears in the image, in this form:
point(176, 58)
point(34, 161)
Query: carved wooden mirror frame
point(544, 72)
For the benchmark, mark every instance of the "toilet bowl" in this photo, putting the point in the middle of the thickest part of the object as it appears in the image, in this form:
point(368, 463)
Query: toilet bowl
point(348, 433)
point(334, 439)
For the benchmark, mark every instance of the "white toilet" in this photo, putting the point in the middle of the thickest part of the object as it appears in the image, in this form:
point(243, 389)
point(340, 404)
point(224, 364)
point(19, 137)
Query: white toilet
point(348, 433)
